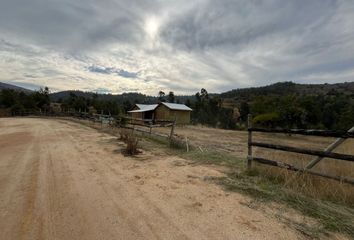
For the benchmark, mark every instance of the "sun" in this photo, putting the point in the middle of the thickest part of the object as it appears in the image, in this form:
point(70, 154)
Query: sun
point(152, 26)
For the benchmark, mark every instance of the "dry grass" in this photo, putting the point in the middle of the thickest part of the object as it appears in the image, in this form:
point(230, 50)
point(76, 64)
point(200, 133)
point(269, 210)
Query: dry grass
point(234, 145)
point(316, 187)
point(265, 186)
point(333, 217)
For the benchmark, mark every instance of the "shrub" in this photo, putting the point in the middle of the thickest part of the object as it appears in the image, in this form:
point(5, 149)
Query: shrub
point(131, 140)
point(267, 119)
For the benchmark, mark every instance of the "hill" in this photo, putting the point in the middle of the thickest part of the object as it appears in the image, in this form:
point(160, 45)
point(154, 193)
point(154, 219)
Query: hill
point(286, 88)
point(242, 94)
point(233, 97)
point(138, 97)
point(119, 98)
point(13, 87)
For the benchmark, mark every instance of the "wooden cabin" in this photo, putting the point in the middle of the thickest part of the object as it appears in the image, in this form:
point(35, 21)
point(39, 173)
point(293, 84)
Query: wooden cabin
point(162, 111)
point(144, 112)
point(55, 107)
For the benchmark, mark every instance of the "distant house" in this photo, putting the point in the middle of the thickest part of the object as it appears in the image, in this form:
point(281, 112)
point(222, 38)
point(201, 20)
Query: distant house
point(162, 111)
point(55, 107)
point(143, 111)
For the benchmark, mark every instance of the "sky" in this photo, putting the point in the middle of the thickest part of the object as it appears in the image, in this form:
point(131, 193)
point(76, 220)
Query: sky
point(116, 46)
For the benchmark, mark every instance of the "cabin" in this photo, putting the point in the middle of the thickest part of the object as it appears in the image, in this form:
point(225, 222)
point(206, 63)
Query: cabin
point(162, 111)
point(55, 107)
point(143, 111)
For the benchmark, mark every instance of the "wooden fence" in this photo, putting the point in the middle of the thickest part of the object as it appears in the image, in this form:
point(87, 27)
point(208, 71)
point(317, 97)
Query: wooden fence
point(326, 153)
point(135, 123)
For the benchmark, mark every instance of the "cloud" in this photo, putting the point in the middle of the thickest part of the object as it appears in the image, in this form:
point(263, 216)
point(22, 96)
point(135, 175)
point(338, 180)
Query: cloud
point(240, 23)
point(112, 70)
point(175, 45)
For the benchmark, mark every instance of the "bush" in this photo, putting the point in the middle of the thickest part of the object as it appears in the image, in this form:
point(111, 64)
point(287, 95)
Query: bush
point(122, 121)
point(131, 140)
point(267, 119)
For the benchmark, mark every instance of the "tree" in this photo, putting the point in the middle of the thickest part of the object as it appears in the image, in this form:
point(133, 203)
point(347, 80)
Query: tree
point(127, 106)
point(244, 111)
point(267, 119)
point(8, 97)
point(204, 94)
point(188, 103)
point(161, 96)
point(42, 98)
point(171, 97)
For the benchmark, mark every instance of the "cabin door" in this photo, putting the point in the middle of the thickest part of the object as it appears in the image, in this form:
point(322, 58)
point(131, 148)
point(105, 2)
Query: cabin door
point(148, 115)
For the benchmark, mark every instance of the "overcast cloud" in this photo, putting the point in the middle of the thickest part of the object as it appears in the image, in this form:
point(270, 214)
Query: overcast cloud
point(147, 46)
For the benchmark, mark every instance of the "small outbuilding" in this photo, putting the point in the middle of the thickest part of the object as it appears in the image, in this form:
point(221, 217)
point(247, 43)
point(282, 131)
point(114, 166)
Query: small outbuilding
point(162, 111)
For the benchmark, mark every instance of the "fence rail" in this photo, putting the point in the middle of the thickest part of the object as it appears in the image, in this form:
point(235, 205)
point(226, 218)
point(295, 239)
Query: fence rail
point(296, 169)
point(326, 153)
point(305, 151)
point(311, 132)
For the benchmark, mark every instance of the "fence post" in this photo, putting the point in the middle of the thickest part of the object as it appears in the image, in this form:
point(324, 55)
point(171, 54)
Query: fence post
point(172, 129)
point(249, 156)
point(187, 146)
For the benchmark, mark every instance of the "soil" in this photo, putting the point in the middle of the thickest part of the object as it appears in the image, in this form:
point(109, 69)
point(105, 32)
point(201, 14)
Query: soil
point(63, 180)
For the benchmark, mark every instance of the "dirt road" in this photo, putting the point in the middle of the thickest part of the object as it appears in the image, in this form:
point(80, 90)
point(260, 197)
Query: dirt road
point(62, 180)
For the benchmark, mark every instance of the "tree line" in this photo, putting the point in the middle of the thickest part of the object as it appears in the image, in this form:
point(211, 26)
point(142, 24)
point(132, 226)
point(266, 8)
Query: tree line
point(332, 110)
point(18, 101)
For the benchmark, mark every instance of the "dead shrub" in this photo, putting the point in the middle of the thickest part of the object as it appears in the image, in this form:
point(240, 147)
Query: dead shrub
point(123, 134)
point(177, 143)
point(131, 140)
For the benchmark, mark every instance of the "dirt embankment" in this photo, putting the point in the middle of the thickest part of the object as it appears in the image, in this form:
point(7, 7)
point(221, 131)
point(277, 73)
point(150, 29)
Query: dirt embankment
point(61, 180)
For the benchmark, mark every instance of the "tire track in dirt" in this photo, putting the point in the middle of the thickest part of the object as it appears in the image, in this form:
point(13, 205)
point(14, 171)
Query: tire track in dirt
point(123, 200)
point(21, 180)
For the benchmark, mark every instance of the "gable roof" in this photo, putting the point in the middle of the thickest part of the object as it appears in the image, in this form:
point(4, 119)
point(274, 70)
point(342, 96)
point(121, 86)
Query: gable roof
point(144, 108)
point(176, 106)
point(152, 107)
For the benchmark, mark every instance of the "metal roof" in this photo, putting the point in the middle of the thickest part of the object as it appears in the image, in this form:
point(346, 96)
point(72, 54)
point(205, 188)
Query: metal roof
point(151, 107)
point(144, 108)
point(176, 106)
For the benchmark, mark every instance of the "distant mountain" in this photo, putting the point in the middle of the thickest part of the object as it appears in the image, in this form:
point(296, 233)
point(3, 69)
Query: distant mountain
point(13, 87)
point(107, 97)
point(285, 88)
point(235, 96)
point(132, 97)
